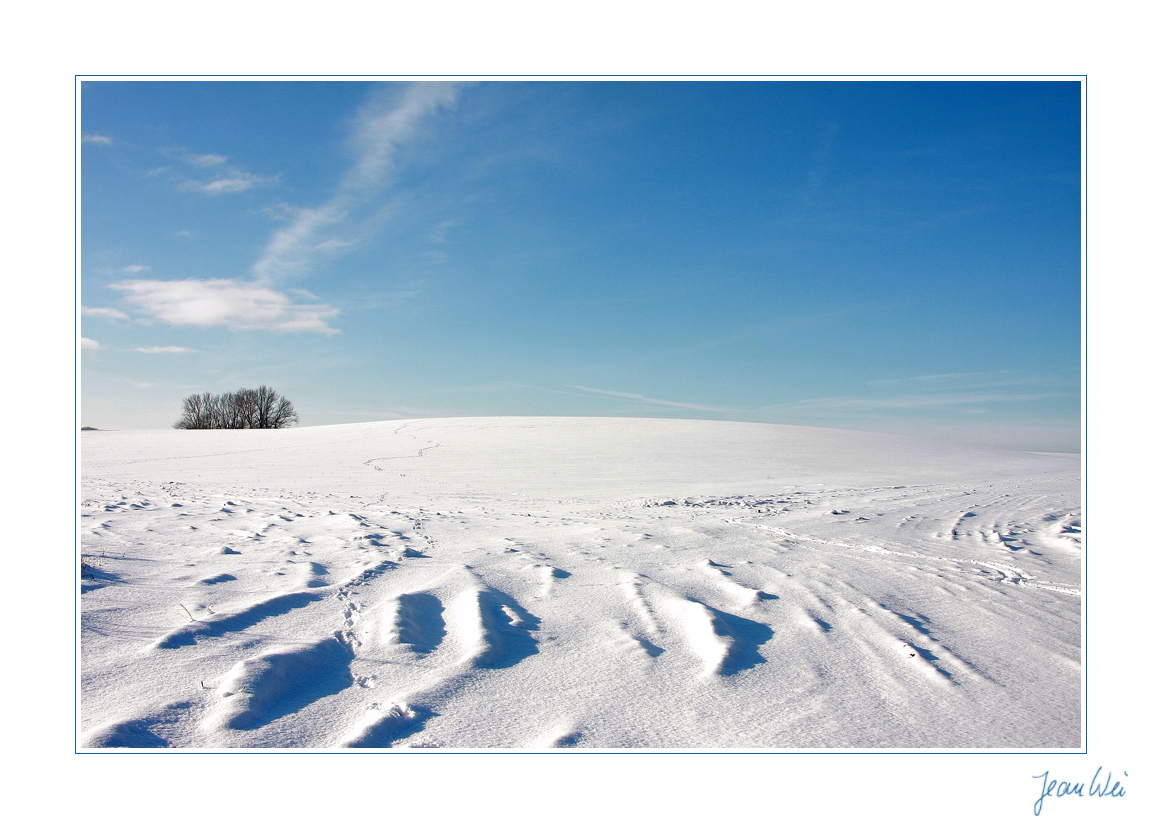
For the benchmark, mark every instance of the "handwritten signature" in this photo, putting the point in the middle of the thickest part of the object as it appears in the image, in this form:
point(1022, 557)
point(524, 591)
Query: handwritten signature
point(1064, 788)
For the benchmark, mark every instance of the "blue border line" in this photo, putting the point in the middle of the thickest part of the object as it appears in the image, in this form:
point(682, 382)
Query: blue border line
point(76, 413)
point(389, 78)
point(1085, 401)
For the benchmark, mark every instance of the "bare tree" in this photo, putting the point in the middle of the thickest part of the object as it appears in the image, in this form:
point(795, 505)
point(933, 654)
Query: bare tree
point(284, 414)
point(216, 407)
point(243, 408)
point(265, 400)
point(197, 412)
point(261, 408)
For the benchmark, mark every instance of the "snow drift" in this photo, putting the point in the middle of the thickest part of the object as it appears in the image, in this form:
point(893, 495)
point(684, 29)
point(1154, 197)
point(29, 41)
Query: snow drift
point(576, 583)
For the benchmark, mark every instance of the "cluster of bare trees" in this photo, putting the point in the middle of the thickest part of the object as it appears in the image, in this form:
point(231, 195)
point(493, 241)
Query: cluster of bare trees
point(261, 408)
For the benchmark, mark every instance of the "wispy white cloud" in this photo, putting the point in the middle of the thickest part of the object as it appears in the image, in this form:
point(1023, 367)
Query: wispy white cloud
point(104, 313)
point(225, 302)
point(128, 269)
point(387, 299)
point(962, 393)
point(970, 380)
point(301, 293)
point(223, 179)
point(89, 344)
point(166, 349)
point(439, 234)
point(935, 402)
point(94, 138)
point(281, 212)
point(333, 244)
point(390, 118)
point(958, 376)
point(290, 249)
point(939, 400)
point(653, 401)
point(205, 160)
point(233, 181)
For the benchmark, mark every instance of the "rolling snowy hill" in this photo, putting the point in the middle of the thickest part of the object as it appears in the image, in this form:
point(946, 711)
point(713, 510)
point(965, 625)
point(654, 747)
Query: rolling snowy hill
point(570, 582)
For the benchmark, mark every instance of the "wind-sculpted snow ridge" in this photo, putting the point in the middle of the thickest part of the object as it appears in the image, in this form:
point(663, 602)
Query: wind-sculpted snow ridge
point(551, 584)
point(263, 688)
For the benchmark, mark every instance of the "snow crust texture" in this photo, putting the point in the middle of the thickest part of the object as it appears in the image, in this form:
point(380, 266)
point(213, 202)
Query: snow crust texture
point(556, 583)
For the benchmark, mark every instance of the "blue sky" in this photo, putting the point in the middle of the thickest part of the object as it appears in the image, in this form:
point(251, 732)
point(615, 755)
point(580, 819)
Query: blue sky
point(890, 256)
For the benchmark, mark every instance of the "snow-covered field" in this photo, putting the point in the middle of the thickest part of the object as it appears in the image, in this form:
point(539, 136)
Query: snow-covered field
point(569, 582)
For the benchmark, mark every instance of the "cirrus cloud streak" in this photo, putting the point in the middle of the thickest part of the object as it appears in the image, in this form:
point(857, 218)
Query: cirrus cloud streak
point(650, 400)
point(234, 181)
point(391, 117)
